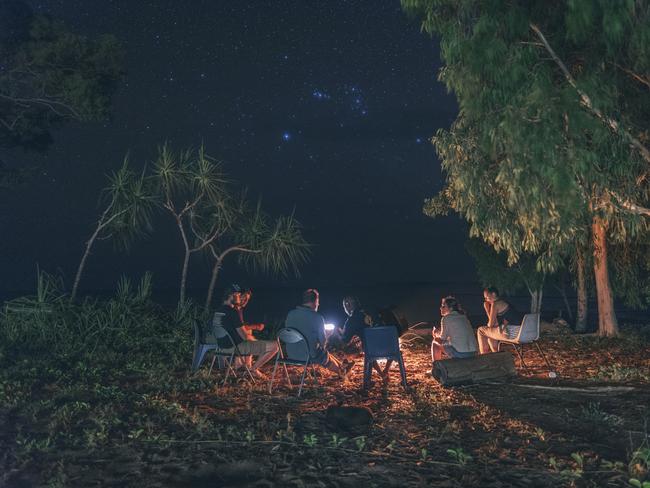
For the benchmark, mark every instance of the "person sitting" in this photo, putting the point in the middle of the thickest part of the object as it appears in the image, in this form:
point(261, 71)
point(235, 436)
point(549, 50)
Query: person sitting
point(503, 321)
point(242, 332)
point(306, 320)
point(455, 338)
point(353, 327)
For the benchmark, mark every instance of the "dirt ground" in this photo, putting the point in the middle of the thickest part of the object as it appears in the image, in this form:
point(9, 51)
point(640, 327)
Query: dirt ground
point(579, 429)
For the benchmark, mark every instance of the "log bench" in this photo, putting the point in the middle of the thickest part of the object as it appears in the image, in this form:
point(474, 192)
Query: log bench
point(482, 367)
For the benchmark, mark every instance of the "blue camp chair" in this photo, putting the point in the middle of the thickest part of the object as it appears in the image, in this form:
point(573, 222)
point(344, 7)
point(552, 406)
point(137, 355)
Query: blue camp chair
point(381, 343)
point(202, 345)
point(300, 357)
point(205, 341)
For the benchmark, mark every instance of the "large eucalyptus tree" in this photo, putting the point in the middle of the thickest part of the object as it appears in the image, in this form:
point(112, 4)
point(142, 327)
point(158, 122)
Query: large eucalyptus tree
point(549, 152)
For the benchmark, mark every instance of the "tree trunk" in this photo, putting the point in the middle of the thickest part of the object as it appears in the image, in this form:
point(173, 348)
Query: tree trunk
point(565, 299)
point(215, 272)
point(582, 304)
point(186, 258)
point(536, 300)
point(607, 322)
point(186, 262)
point(82, 264)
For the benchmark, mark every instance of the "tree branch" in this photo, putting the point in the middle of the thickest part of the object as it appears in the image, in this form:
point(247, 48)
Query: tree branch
point(585, 100)
point(629, 206)
point(641, 79)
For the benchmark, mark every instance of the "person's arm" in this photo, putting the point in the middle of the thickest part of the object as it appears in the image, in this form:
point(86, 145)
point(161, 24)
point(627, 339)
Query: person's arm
point(320, 333)
point(251, 327)
point(492, 316)
point(352, 326)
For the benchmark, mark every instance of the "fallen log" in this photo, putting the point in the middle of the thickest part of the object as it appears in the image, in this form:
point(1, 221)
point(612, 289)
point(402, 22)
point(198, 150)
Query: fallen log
point(477, 369)
point(587, 390)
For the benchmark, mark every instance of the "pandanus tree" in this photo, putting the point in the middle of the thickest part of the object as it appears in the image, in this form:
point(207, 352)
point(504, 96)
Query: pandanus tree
point(193, 190)
point(128, 202)
point(211, 220)
point(277, 247)
point(548, 154)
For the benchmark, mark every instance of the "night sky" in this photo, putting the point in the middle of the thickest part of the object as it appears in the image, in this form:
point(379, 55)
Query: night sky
point(326, 107)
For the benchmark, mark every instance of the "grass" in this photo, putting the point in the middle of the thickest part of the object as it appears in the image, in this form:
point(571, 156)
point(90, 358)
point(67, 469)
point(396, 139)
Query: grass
point(99, 394)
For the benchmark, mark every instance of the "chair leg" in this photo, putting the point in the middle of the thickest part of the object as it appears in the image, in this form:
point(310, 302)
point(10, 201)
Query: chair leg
point(248, 370)
point(402, 371)
point(230, 368)
point(367, 371)
point(302, 378)
point(212, 365)
point(199, 353)
point(275, 367)
point(520, 352)
point(539, 349)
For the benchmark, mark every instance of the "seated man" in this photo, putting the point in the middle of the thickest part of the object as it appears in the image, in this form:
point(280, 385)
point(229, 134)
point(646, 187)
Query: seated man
point(306, 319)
point(342, 337)
point(242, 333)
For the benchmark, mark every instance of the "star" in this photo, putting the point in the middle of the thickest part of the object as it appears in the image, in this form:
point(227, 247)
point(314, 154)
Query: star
point(286, 136)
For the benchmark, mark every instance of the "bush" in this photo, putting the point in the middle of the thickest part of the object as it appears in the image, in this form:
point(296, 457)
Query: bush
point(127, 326)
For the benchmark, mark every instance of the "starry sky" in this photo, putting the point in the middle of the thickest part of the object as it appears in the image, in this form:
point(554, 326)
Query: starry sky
point(325, 107)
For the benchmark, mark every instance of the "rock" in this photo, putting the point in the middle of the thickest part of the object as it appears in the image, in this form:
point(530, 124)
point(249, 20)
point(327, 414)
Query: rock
point(355, 420)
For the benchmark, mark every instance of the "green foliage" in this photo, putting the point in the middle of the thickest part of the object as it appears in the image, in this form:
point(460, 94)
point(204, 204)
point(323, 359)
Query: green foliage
point(616, 372)
point(48, 323)
point(460, 456)
point(213, 216)
point(528, 161)
point(493, 269)
point(52, 75)
point(593, 415)
point(639, 467)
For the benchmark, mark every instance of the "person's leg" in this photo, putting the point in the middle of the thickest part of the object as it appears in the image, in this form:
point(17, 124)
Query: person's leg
point(483, 340)
point(266, 351)
point(263, 350)
point(488, 339)
point(437, 351)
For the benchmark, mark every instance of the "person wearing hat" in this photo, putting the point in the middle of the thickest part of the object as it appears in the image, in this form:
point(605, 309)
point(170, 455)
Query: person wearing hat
point(241, 332)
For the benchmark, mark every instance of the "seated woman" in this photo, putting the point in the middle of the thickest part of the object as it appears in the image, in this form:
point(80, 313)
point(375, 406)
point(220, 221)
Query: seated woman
point(455, 338)
point(503, 321)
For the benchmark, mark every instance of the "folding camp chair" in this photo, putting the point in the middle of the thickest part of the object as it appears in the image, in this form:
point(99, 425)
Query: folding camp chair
point(298, 357)
point(381, 343)
point(228, 353)
point(202, 345)
point(528, 333)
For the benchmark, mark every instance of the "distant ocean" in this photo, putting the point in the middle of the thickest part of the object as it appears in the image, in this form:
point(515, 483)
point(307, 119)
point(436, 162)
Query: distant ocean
point(417, 302)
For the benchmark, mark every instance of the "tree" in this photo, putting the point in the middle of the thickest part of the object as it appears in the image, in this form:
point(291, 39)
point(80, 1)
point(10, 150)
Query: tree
point(194, 190)
point(48, 76)
point(493, 270)
point(192, 187)
point(548, 150)
point(277, 247)
point(128, 205)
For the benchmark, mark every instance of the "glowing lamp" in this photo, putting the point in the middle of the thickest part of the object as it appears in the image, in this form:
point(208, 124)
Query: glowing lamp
point(330, 327)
